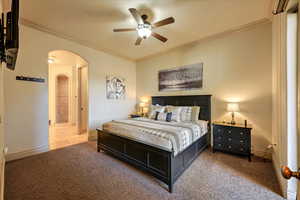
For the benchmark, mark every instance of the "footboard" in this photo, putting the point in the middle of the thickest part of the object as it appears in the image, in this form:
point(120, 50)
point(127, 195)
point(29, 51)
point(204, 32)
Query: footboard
point(160, 163)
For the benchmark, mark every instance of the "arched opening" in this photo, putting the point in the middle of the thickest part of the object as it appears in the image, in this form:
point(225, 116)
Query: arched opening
point(68, 99)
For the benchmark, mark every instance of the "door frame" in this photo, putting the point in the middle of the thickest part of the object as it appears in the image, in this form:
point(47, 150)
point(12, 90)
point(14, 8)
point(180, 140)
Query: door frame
point(79, 99)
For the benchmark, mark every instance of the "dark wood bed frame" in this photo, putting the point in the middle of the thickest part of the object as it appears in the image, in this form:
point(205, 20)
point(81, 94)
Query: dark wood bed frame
point(160, 163)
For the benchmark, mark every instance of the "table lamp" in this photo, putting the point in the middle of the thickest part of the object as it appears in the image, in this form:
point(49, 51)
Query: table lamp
point(233, 107)
point(142, 106)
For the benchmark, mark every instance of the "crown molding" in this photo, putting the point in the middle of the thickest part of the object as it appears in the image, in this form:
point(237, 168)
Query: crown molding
point(50, 31)
point(270, 9)
point(214, 36)
point(47, 30)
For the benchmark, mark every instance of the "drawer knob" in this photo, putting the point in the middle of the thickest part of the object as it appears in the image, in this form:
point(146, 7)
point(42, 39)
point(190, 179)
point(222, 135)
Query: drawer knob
point(241, 133)
point(229, 147)
point(241, 149)
point(241, 141)
point(229, 131)
point(219, 137)
point(219, 145)
point(219, 130)
point(229, 139)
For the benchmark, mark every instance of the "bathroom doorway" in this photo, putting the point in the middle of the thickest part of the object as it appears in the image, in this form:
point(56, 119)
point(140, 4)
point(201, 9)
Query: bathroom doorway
point(68, 99)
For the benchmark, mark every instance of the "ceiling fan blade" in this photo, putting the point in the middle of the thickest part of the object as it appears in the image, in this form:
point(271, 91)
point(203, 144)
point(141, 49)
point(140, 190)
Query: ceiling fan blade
point(163, 22)
point(123, 29)
point(138, 41)
point(136, 15)
point(159, 37)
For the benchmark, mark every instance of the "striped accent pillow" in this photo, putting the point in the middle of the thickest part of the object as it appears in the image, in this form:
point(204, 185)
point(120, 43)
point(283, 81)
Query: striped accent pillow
point(154, 109)
point(175, 110)
point(164, 116)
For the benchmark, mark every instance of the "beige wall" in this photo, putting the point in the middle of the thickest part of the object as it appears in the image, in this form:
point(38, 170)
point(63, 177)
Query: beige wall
point(27, 102)
point(237, 67)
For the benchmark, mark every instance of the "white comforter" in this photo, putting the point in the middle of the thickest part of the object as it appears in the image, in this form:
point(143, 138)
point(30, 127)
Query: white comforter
point(170, 136)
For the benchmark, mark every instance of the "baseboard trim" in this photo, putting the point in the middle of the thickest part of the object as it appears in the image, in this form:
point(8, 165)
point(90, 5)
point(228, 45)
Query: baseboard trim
point(262, 154)
point(26, 153)
point(92, 138)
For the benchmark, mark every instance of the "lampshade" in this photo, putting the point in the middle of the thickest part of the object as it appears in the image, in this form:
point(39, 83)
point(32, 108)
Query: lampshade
point(233, 107)
point(142, 104)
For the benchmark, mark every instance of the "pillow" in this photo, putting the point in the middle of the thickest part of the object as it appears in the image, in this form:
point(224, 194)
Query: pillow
point(186, 113)
point(154, 109)
point(175, 110)
point(169, 117)
point(156, 115)
point(195, 113)
point(164, 116)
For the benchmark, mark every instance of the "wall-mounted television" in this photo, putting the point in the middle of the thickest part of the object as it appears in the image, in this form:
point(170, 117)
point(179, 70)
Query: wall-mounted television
point(9, 36)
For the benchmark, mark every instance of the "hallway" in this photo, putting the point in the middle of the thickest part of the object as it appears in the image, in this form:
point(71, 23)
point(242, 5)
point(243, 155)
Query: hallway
point(65, 135)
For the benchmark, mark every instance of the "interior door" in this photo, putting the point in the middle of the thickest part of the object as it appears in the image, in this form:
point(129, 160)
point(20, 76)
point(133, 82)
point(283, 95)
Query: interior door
point(2, 159)
point(83, 99)
point(298, 101)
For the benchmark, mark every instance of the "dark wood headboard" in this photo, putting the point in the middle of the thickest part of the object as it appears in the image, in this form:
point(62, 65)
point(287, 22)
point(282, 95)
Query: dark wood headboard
point(204, 101)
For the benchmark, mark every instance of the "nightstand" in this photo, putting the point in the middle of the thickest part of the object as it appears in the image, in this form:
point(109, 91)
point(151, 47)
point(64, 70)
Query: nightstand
point(135, 116)
point(235, 139)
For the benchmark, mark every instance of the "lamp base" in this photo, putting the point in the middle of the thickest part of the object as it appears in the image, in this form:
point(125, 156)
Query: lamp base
point(232, 119)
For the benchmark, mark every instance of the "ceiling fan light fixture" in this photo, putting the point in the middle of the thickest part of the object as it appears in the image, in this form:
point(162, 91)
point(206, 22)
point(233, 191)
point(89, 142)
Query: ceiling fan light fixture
point(144, 30)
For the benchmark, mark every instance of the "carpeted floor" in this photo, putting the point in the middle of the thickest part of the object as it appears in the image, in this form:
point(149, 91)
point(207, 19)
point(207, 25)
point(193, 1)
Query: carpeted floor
point(80, 173)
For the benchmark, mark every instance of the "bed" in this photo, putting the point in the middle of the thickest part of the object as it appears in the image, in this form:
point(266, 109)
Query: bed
point(165, 159)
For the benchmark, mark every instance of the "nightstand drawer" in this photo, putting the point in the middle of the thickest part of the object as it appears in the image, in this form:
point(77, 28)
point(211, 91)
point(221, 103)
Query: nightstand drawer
point(219, 130)
point(219, 138)
point(242, 150)
point(219, 145)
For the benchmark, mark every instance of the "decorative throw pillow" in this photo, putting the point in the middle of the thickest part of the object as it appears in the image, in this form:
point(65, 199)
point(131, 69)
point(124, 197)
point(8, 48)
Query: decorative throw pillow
point(169, 117)
point(175, 110)
point(154, 109)
point(156, 115)
point(164, 116)
point(186, 114)
point(195, 113)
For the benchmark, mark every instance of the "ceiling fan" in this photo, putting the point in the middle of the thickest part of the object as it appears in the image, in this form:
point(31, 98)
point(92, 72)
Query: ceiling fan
point(144, 28)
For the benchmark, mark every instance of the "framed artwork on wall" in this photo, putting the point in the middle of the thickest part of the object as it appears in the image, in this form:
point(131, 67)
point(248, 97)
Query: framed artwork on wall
point(188, 77)
point(115, 87)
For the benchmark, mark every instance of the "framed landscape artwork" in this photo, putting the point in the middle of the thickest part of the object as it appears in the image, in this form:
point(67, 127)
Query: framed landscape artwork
point(189, 77)
point(115, 87)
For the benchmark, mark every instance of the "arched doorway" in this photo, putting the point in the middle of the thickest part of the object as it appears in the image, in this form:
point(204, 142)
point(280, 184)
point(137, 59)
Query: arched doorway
point(68, 99)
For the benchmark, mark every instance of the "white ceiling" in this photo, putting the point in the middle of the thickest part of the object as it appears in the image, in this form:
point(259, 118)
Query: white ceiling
point(91, 21)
